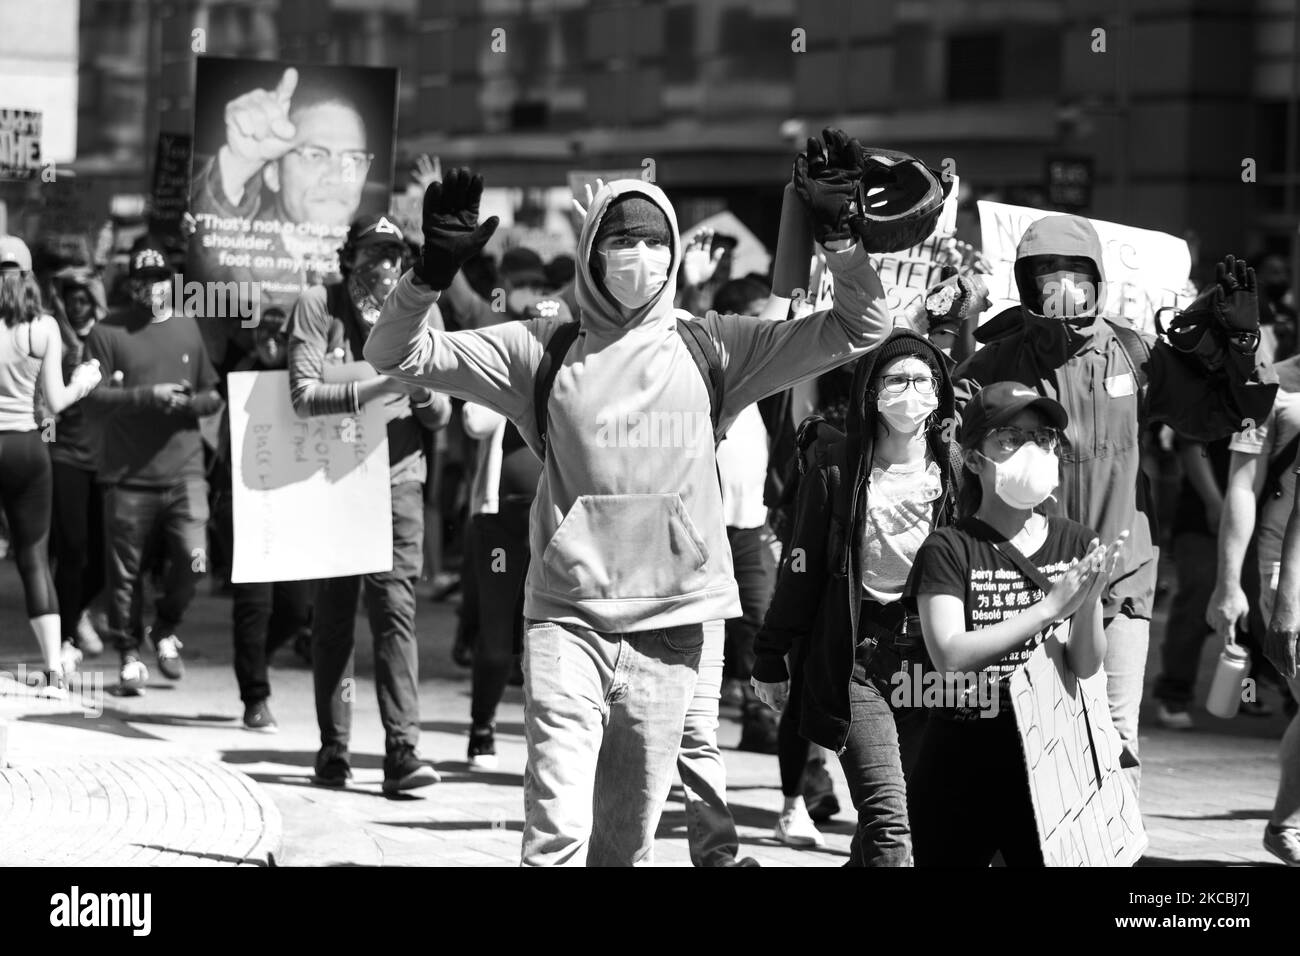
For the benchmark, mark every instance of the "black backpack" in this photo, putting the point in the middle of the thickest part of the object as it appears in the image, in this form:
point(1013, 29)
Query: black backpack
point(697, 342)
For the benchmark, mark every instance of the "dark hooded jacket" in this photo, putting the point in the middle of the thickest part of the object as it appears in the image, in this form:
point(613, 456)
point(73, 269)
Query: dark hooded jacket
point(819, 592)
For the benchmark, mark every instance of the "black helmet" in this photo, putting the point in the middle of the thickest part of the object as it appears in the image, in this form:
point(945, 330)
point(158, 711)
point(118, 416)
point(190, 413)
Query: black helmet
point(899, 200)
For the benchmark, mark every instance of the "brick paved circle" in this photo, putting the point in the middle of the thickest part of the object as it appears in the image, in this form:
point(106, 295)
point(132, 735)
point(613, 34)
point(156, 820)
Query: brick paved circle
point(134, 811)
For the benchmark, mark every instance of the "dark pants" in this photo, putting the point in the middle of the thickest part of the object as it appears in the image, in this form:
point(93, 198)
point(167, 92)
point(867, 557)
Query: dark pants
point(76, 543)
point(500, 553)
point(390, 604)
point(968, 795)
point(26, 494)
point(266, 616)
point(755, 570)
point(142, 525)
point(880, 754)
point(792, 747)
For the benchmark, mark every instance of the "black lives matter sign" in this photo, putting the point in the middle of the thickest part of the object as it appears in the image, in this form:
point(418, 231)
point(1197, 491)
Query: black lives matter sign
point(20, 143)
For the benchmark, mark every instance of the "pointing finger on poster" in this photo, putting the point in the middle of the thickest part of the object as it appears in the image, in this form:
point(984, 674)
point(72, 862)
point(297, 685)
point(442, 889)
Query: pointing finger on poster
point(258, 130)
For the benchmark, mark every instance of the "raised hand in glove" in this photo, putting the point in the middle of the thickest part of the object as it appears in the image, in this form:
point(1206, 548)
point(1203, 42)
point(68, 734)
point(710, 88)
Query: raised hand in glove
point(826, 179)
point(452, 232)
point(1236, 304)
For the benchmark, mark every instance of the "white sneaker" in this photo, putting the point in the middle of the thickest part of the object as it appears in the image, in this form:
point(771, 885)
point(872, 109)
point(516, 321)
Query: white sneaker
point(1174, 719)
point(70, 657)
point(87, 637)
point(1283, 843)
point(795, 828)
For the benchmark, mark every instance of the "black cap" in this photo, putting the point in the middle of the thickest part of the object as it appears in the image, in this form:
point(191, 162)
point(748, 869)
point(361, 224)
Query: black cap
point(996, 405)
point(522, 266)
point(373, 231)
point(149, 260)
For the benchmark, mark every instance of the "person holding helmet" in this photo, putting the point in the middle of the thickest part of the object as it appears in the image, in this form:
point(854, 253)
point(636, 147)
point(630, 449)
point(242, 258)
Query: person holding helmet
point(629, 549)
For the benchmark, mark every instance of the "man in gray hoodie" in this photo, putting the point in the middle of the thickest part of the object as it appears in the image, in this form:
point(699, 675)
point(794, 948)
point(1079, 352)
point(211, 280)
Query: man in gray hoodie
point(629, 547)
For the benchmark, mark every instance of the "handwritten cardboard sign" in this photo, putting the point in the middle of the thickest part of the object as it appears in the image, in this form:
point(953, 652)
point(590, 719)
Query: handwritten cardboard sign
point(311, 496)
point(1085, 808)
point(1145, 270)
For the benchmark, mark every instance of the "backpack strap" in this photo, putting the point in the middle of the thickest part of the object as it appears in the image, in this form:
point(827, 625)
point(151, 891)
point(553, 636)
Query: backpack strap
point(702, 350)
point(1014, 555)
point(557, 347)
point(1134, 346)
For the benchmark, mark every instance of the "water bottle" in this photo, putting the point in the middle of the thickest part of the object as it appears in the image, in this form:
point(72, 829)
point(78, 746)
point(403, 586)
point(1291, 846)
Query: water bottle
point(1225, 690)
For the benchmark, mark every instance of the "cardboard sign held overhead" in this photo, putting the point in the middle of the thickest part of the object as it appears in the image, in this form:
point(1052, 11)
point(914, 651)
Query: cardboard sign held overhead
point(1084, 806)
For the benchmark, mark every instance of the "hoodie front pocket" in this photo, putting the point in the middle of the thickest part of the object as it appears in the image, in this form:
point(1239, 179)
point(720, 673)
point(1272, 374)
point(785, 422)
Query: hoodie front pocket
point(626, 546)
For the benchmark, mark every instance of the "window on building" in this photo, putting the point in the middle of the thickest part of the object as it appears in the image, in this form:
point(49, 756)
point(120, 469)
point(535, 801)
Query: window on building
point(975, 67)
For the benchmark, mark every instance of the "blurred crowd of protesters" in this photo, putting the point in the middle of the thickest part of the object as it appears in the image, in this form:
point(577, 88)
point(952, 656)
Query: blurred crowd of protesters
point(115, 492)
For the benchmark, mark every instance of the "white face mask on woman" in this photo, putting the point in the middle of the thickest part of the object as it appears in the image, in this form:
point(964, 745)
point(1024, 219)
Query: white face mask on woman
point(635, 276)
point(906, 411)
point(1028, 477)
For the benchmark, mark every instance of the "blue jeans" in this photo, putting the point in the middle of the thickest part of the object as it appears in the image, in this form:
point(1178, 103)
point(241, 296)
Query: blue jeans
point(390, 604)
point(1125, 665)
point(710, 827)
point(878, 758)
point(138, 524)
point(603, 720)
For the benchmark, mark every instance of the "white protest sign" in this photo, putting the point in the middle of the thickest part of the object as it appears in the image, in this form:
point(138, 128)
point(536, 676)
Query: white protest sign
point(750, 255)
point(311, 496)
point(1145, 270)
point(1084, 806)
point(906, 275)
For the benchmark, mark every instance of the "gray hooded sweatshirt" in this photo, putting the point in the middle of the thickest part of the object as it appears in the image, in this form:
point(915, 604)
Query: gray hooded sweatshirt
point(627, 530)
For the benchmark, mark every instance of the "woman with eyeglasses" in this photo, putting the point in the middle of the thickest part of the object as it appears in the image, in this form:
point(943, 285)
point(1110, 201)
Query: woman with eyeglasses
point(989, 589)
point(864, 509)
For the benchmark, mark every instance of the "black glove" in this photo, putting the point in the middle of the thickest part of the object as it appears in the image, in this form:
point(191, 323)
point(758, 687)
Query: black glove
point(826, 179)
point(1235, 302)
point(452, 232)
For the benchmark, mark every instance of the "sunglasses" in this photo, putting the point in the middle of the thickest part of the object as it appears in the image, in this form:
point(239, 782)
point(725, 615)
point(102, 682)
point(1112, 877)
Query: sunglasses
point(1009, 438)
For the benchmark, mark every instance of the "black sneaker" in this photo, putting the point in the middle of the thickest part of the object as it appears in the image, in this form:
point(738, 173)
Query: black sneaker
point(257, 716)
point(332, 767)
point(482, 748)
point(819, 792)
point(169, 656)
point(403, 770)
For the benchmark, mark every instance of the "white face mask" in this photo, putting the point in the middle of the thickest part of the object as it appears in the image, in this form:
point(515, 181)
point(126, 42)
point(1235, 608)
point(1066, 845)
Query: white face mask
point(1028, 477)
point(906, 411)
point(635, 276)
point(1065, 295)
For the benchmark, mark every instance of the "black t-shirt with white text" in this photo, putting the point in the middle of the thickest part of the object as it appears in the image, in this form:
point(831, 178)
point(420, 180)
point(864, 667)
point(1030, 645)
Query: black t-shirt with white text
point(961, 560)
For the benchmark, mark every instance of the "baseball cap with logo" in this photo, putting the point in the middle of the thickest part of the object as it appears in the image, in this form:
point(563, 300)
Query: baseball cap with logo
point(14, 252)
point(149, 261)
point(995, 405)
point(374, 230)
